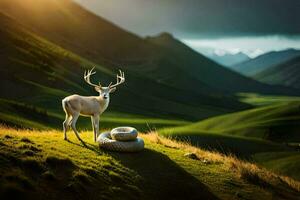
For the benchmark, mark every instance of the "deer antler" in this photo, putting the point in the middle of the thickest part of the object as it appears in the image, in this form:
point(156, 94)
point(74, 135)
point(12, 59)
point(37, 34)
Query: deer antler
point(87, 76)
point(120, 80)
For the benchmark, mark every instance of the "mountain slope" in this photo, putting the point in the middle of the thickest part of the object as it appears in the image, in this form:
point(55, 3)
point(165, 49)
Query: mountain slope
point(163, 97)
point(265, 61)
point(208, 72)
point(40, 73)
point(88, 35)
point(287, 73)
point(33, 168)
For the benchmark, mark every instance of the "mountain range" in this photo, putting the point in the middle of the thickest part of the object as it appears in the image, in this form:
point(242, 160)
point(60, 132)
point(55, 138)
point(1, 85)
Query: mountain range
point(286, 73)
point(264, 61)
point(47, 45)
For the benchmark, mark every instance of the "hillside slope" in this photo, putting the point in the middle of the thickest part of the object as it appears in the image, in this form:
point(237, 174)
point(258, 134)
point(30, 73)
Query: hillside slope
point(281, 162)
point(90, 36)
point(268, 135)
point(278, 122)
point(211, 74)
point(37, 169)
point(265, 61)
point(287, 73)
point(42, 73)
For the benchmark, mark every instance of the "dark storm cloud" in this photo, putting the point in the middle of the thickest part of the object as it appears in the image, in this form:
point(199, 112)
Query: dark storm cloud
point(194, 18)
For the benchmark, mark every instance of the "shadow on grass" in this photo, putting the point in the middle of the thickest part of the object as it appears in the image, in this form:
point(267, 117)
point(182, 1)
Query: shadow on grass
point(87, 145)
point(162, 178)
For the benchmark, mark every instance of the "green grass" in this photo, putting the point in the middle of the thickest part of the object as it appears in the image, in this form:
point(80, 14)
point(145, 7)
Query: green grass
point(278, 122)
point(23, 122)
point(24, 115)
point(286, 163)
point(36, 165)
point(265, 100)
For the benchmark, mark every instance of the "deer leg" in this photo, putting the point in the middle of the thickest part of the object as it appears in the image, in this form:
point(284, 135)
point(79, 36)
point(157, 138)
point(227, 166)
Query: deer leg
point(73, 125)
point(66, 125)
point(93, 125)
point(96, 126)
point(70, 121)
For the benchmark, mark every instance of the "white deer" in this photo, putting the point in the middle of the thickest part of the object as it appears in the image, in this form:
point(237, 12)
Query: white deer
point(90, 106)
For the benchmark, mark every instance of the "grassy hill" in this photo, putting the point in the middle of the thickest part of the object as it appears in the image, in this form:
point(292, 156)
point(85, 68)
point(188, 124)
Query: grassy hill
point(281, 162)
point(33, 168)
point(287, 73)
point(266, 134)
point(268, 122)
point(263, 62)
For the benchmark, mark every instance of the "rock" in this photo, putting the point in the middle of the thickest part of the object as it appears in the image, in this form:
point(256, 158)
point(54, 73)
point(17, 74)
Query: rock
point(205, 161)
point(191, 156)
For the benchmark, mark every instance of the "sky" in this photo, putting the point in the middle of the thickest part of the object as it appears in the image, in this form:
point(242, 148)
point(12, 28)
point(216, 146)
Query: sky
point(250, 26)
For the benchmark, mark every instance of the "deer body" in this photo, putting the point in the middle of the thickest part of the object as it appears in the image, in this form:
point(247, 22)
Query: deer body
point(90, 106)
point(87, 105)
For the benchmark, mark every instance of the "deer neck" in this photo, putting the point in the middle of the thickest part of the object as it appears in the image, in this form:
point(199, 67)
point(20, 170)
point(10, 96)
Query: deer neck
point(103, 103)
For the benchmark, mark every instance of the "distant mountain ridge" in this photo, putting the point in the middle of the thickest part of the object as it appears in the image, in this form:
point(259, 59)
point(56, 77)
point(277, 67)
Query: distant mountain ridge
point(206, 70)
point(229, 60)
point(287, 73)
point(262, 62)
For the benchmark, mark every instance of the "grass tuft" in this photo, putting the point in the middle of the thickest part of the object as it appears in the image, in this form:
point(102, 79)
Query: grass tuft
point(26, 140)
point(57, 162)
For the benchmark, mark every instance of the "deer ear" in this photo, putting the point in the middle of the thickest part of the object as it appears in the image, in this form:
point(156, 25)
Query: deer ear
point(97, 88)
point(111, 90)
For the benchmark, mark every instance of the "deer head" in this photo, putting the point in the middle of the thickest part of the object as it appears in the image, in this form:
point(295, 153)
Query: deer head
point(104, 91)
